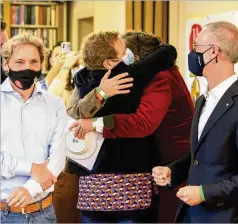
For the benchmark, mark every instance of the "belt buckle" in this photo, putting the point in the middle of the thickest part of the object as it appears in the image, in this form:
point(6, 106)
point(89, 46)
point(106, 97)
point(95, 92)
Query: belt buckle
point(22, 211)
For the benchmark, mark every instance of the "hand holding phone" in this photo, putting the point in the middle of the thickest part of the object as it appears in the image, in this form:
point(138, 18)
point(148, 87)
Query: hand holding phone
point(71, 59)
point(65, 47)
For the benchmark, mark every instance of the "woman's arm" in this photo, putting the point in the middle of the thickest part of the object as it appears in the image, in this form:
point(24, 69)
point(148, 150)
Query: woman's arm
point(55, 69)
point(161, 59)
point(58, 84)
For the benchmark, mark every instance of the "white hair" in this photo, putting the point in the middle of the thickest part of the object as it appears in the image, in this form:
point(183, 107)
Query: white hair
point(226, 35)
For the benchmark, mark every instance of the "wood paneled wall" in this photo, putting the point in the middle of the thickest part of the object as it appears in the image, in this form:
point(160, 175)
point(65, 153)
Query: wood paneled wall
point(148, 16)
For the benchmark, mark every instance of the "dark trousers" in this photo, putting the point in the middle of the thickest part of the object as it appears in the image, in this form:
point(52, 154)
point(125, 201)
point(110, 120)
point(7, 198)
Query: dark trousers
point(184, 216)
point(149, 215)
point(168, 204)
point(65, 198)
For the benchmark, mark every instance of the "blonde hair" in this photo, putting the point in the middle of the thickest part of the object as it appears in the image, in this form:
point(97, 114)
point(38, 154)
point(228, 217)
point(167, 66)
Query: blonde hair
point(21, 39)
point(97, 47)
point(226, 35)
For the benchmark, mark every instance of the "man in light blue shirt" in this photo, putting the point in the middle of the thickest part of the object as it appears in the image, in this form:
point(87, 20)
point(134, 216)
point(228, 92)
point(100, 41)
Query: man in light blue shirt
point(33, 127)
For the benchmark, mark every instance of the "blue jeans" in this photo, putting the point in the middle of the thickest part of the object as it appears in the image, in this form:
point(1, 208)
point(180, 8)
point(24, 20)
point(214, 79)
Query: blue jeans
point(46, 215)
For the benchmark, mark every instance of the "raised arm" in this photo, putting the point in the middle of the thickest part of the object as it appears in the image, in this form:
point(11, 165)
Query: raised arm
point(153, 106)
point(93, 101)
point(144, 70)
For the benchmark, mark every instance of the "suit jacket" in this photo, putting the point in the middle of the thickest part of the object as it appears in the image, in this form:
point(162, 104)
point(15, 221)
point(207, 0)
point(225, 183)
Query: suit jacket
point(213, 162)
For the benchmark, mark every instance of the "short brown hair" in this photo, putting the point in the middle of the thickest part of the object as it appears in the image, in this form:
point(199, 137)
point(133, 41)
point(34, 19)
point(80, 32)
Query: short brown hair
point(97, 47)
point(141, 43)
point(20, 39)
point(3, 24)
point(226, 35)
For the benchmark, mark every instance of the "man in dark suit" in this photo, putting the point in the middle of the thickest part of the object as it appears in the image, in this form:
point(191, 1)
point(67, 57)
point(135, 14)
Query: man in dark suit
point(3, 38)
point(211, 168)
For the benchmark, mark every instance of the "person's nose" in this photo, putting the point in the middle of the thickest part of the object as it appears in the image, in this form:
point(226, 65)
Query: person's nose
point(28, 65)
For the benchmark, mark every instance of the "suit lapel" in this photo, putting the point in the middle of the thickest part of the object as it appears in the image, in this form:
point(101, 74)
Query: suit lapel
point(224, 104)
point(194, 128)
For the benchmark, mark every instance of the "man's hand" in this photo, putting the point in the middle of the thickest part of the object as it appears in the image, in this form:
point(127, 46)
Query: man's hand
point(41, 174)
point(19, 198)
point(116, 85)
point(190, 195)
point(82, 127)
point(162, 175)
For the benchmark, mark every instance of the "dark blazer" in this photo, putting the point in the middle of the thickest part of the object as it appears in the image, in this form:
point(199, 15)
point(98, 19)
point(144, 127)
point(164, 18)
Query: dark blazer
point(213, 162)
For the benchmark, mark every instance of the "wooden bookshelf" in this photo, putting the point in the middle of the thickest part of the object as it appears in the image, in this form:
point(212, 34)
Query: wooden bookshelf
point(34, 3)
point(33, 26)
point(46, 19)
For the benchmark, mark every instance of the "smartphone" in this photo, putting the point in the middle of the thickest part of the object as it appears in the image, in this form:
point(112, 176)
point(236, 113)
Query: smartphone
point(65, 47)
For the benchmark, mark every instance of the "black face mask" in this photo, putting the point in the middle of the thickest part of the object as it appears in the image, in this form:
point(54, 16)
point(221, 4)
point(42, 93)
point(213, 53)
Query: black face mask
point(196, 62)
point(24, 79)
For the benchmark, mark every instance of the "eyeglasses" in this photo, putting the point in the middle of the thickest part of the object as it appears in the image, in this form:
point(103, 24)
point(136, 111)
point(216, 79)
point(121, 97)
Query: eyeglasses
point(205, 45)
point(202, 45)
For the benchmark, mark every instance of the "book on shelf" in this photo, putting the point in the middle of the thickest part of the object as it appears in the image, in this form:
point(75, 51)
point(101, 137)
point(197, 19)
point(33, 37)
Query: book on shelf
point(34, 15)
point(40, 20)
point(49, 36)
point(43, 18)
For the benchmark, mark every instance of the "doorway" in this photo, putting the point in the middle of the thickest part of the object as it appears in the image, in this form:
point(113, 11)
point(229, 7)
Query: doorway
point(85, 26)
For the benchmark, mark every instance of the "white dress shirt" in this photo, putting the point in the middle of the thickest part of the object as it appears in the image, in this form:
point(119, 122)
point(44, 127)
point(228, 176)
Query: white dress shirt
point(212, 98)
point(31, 132)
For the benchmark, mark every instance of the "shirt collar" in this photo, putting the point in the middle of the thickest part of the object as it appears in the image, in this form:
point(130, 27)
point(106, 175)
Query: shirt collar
point(219, 90)
point(7, 87)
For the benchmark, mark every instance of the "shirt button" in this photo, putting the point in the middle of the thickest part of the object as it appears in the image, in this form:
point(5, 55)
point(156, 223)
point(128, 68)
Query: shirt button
point(195, 162)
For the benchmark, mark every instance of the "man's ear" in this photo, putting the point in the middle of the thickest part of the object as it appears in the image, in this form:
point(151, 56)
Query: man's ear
point(106, 64)
point(5, 65)
point(215, 52)
point(137, 58)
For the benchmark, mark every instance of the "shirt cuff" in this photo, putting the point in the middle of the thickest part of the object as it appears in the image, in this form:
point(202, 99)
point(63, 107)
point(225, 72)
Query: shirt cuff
point(23, 168)
point(33, 187)
point(202, 194)
point(99, 125)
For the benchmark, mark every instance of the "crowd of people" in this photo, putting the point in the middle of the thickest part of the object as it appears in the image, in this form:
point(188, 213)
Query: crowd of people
point(160, 159)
